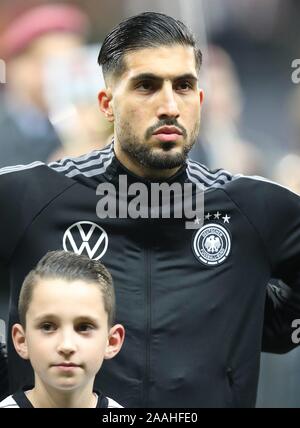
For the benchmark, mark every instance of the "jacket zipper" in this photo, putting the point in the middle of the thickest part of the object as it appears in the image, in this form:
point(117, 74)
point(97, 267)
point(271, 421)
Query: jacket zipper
point(146, 383)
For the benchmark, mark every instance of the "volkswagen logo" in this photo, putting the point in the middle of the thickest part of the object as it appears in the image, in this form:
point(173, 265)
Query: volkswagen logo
point(85, 237)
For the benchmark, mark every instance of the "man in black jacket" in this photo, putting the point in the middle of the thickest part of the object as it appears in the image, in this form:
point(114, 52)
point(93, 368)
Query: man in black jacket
point(191, 283)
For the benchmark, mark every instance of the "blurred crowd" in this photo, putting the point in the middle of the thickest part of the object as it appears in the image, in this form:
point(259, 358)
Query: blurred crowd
point(49, 102)
point(44, 118)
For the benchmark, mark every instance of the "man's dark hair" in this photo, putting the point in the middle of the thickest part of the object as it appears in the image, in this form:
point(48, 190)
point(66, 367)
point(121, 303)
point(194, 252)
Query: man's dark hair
point(70, 267)
point(146, 30)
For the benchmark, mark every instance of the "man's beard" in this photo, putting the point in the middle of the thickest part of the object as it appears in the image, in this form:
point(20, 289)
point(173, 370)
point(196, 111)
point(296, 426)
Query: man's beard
point(146, 155)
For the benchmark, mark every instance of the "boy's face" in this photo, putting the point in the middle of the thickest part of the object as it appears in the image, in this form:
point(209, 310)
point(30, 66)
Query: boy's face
point(67, 335)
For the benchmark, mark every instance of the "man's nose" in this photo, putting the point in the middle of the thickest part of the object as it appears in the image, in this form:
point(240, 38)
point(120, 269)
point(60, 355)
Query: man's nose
point(66, 343)
point(168, 106)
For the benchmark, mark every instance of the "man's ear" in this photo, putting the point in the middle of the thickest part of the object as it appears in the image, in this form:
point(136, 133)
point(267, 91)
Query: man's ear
point(115, 341)
point(105, 103)
point(19, 340)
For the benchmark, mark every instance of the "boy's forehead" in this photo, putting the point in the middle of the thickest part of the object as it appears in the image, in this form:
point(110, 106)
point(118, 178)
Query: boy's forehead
point(164, 61)
point(64, 295)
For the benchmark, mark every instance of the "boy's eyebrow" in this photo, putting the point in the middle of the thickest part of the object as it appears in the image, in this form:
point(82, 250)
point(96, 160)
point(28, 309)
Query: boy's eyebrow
point(84, 318)
point(44, 316)
point(152, 76)
point(81, 318)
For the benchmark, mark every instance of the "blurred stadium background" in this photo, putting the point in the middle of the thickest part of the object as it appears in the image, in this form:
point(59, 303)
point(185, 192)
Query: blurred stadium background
point(251, 115)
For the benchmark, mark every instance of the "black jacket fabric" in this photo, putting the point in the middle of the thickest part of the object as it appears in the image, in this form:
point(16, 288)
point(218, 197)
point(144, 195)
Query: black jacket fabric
point(192, 300)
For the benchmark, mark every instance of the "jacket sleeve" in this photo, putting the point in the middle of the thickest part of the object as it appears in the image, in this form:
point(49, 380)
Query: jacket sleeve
point(10, 221)
point(15, 209)
point(24, 192)
point(282, 241)
point(282, 307)
point(274, 211)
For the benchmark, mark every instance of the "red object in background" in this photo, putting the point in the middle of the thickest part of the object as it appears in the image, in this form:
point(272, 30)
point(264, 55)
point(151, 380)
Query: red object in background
point(41, 20)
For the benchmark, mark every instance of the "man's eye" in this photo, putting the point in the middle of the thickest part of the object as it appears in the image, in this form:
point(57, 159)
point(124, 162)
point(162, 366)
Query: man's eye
point(184, 86)
point(47, 327)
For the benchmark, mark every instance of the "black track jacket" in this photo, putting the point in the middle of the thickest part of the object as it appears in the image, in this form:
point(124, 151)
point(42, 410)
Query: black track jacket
point(192, 301)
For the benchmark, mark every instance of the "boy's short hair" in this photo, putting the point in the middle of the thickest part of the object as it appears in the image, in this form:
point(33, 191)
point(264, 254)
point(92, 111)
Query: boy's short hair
point(70, 267)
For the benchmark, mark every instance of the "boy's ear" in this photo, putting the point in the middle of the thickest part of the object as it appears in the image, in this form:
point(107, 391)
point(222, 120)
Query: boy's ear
point(105, 104)
point(115, 341)
point(19, 340)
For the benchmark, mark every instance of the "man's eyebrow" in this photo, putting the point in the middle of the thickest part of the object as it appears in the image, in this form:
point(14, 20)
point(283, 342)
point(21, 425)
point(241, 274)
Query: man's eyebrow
point(151, 76)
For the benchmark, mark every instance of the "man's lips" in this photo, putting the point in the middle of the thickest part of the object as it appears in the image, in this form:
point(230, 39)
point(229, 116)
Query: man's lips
point(168, 130)
point(168, 133)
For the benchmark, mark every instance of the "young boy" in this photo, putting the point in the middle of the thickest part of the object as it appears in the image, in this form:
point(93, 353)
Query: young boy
point(66, 310)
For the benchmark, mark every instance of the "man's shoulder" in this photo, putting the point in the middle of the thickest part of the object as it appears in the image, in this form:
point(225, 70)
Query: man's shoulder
point(266, 204)
point(9, 403)
point(221, 178)
point(200, 174)
point(259, 188)
point(245, 191)
point(34, 178)
point(16, 171)
point(88, 165)
point(25, 191)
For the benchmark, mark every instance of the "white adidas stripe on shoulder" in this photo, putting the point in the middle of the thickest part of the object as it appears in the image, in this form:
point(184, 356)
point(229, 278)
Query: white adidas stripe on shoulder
point(266, 180)
point(81, 158)
point(89, 165)
point(71, 163)
point(196, 172)
point(16, 168)
point(206, 170)
point(92, 172)
point(196, 180)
